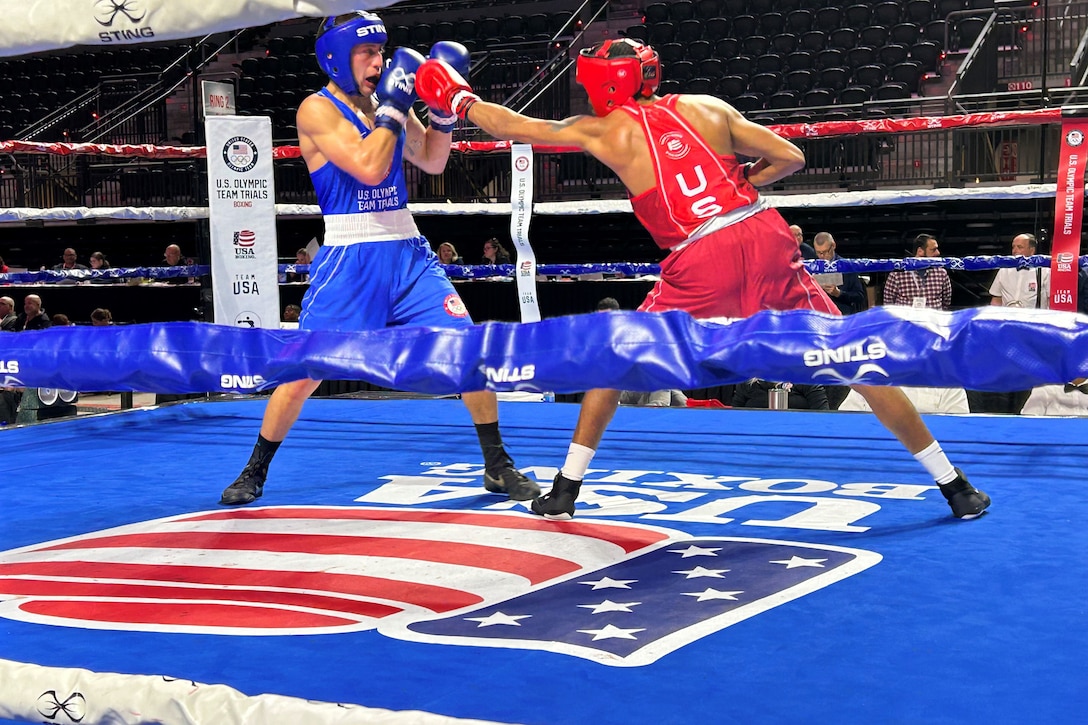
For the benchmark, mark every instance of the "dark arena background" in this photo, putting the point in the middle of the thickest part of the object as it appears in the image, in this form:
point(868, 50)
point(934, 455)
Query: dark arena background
point(726, 565)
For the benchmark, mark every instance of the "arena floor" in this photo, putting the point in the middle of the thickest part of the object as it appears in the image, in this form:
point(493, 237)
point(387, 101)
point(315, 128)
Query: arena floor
point(724, 566)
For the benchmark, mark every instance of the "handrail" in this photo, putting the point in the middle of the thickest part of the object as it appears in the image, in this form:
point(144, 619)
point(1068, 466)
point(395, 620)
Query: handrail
point(544, 76)
point(161, 90)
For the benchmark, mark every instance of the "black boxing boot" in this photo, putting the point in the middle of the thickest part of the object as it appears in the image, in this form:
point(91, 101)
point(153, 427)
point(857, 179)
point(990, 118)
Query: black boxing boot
point(249, 485)
point(967, 502)
point(558, 503)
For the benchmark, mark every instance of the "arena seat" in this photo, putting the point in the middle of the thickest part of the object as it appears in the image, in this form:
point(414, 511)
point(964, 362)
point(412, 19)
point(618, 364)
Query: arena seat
point(444, 30)
point(765, 84)
point(772, 24)
point(711, 67)
point(707, 9)
point(830, 58)
point(784, 43)
point(748, 102)
point(814, 40)
point(886, 13)
point(800, 80)
point(844, 38)
point(828, 18)
point(537, 24)
point(857, 16)
point(726, 48)
point(770, 63)
point(688, 31)
point(854, 95)
point(919, 12)
point(681, 10)
point(859, 56)
point(945, 7)
point(745, 25)
point(733, 8)
point(663, 32)
point(891, 91)
point(799, 21)
point(637, 32)
point(699, 85)
point(909, 73)
point(656, 13)
point(892, 54)
point(755, 45)
point(731, 87)
point(488, 28)
point(928, 54)
point(905, 33)
point(834, 79)
point(681, 70)
point(716, 29)
point(873, 36)
point(967, 31)
point(870, 76)
point(699, 50)
point(801, 60)
point(936, 31)
point(670, 52)
point(783, 100)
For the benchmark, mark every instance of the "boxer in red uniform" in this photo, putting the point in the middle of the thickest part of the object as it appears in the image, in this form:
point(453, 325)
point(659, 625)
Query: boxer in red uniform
point(729, 255)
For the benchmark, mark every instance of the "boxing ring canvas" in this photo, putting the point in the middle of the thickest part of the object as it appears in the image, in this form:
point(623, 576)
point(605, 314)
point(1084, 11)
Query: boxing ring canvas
point(724, 566)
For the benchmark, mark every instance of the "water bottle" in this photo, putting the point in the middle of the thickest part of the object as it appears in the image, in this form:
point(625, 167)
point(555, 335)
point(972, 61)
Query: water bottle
point(549, 396)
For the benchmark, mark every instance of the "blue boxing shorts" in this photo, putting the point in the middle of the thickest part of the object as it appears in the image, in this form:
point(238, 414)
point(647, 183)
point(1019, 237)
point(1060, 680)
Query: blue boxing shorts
point(373, 285)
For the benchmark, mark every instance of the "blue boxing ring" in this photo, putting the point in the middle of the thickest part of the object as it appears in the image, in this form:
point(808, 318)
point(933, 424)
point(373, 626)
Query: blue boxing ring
point(750, 566)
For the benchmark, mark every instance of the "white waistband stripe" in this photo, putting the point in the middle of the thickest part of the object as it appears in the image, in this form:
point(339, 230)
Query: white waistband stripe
point(379, 226)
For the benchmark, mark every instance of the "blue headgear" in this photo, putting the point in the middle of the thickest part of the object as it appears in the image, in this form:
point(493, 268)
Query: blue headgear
point(334, 44)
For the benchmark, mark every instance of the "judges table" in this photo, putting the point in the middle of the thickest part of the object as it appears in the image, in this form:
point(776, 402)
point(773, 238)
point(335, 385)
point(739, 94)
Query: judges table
point(486, 299)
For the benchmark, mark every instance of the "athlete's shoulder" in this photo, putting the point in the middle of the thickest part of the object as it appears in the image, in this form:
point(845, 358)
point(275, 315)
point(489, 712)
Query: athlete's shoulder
point(703, 103)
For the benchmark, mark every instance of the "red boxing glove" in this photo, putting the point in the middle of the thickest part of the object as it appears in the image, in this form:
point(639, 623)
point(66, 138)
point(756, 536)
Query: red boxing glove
point(443, 88)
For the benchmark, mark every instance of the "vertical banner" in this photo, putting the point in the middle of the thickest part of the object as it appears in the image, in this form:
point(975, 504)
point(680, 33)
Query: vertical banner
point(1068, 210)
point(242, 212)
point(521, 209)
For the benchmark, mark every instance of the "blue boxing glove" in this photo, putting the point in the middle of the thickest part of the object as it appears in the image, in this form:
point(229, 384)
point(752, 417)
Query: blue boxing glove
point(396, 90)
point(458, 58)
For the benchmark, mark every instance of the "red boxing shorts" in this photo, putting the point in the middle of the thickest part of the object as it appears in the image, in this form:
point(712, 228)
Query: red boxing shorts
point(737, 271)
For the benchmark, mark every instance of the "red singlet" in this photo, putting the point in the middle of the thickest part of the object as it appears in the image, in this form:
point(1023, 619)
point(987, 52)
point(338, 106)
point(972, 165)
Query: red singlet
point(730, 257)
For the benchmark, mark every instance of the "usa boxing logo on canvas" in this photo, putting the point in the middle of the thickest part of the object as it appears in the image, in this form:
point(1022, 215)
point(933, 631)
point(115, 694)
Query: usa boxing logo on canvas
point(618, 593)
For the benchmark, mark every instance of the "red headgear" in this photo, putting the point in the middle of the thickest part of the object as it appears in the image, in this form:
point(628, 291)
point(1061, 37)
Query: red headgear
point(612, 82)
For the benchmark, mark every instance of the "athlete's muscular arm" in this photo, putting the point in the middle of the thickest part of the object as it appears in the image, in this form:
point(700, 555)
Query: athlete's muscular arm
point(325, 136)
point(587, 133)
point(426, 148)
point(776, 158)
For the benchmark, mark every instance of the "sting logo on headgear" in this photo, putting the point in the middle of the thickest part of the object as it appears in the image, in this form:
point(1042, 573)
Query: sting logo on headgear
point(334, 44)
point(611, 80)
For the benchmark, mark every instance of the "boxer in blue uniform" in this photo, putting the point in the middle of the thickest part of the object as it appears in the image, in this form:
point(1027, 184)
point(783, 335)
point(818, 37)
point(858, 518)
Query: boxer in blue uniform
point(375, 270)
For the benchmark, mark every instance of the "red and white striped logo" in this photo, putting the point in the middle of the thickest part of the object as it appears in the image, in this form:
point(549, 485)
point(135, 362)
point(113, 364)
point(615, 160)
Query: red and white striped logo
point(300, 570)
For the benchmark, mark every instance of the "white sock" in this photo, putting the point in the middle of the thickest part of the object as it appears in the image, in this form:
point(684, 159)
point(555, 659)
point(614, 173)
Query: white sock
point(578, 458)
point(936, 462)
